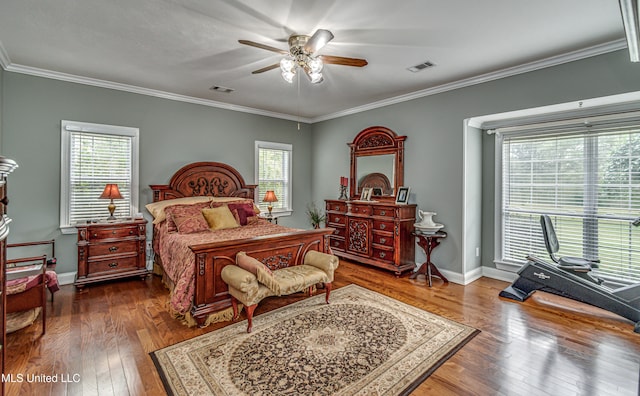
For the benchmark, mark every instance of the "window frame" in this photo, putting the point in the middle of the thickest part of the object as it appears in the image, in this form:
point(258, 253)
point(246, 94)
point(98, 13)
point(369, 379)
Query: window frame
point(259, 144)
point(67, 128)
point(556, 128)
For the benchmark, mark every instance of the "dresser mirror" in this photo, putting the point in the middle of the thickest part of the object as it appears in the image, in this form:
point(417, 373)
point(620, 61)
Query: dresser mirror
point(377, 162)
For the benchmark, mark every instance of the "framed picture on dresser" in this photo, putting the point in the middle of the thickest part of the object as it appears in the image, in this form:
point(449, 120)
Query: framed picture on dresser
point(402, 197)
point(366, 194)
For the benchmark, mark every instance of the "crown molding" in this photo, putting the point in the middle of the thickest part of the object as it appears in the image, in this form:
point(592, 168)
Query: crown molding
point(508, 72)
point(4, 57)
point(33, 71)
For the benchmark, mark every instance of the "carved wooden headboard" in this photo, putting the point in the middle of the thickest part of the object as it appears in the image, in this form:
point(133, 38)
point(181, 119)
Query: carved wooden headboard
point(204, 179)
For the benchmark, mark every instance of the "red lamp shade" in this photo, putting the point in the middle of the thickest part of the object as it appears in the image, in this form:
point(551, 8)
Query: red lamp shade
point(269, 197)
point(111, 192)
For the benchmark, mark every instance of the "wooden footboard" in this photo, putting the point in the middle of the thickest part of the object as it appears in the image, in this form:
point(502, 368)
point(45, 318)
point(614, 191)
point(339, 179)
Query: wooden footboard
point(275, 251)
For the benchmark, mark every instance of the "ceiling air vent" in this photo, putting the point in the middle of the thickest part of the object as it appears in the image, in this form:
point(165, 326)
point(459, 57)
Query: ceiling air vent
point(421, 66)
point(221, 89)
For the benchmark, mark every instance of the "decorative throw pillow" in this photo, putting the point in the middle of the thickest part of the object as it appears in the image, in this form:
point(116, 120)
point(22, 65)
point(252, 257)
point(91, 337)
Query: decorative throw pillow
point(157, 209)
point(190, 223)
point(242, 211)
point(219, 218)
point(183, 211)
point(261, 271)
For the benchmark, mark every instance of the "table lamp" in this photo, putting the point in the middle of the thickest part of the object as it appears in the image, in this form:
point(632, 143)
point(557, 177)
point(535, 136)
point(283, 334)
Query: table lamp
point(111, 192)
point(270, 197)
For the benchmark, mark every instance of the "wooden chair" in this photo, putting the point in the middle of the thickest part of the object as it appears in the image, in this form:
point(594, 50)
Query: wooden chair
point(27, 280)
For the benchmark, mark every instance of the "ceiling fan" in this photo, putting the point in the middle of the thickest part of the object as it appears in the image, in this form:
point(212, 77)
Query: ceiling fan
point(301, 54)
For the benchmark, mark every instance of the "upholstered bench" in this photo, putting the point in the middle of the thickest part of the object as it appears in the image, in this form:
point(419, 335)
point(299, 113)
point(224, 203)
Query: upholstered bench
point(250, 280)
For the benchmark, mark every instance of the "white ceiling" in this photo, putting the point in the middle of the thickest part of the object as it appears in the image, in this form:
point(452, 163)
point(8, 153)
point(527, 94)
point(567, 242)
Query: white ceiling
point(180, 48)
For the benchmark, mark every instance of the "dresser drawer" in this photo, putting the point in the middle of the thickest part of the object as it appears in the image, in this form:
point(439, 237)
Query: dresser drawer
point(338, 219)
point(116, 232)
point(104, 249)
point(384, 212)
point(337, 206)
point(340, 232)
point(361, 209)
point(383, 225)
point(112, 265)
point(382, 254)
point(336, 243)
point(382, 239)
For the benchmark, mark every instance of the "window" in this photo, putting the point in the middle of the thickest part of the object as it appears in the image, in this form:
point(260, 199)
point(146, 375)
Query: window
point(587, 178)
point(273, 172)
point(92, 156)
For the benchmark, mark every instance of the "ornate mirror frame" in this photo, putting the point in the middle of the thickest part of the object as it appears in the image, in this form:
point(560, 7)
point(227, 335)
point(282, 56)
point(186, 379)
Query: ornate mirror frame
point(377, 140)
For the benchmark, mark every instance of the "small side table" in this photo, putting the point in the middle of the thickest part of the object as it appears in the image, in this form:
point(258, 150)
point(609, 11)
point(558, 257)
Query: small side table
point(270, 218)
point(428, 242)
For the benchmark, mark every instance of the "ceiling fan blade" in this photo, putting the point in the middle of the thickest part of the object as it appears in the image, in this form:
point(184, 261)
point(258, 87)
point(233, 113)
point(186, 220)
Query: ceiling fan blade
point(339, 60)
point(318, 40)
point(263, 46)
point(264, 69)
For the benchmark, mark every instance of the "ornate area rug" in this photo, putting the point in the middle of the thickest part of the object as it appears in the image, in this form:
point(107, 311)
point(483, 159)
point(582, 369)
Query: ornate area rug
point(363, 343)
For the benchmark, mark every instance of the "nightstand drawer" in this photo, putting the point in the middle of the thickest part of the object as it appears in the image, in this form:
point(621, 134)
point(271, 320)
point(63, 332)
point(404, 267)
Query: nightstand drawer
point(104, 249)
point(113, 265)
point(116, 232)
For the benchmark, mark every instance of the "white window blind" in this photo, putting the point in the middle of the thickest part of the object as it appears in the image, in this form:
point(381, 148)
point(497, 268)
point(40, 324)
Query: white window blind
point(93, 156)
point(273, 172)
point(587, 178)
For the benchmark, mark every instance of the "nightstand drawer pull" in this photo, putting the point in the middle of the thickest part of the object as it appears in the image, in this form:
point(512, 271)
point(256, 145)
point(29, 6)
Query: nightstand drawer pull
point(113, 249)
point(383, 226)
point(383, 240)
point(114, 232)
point(113, 265)
point(383, 213)
point(382, 254)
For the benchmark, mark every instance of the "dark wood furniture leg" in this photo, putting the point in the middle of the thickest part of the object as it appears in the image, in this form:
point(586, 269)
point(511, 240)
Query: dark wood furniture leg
point(428, 243)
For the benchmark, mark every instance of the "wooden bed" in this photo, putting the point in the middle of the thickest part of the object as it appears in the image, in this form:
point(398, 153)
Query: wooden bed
point(276, 251)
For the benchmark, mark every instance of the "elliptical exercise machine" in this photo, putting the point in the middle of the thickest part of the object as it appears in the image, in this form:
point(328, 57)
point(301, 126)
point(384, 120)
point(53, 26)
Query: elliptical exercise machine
point(570, 277)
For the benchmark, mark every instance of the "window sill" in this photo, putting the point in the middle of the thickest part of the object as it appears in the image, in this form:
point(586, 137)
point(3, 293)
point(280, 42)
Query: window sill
point(68, 230)
point(507, 266)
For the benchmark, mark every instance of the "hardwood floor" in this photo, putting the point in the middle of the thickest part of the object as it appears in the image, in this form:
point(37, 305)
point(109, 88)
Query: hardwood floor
point(98, 341)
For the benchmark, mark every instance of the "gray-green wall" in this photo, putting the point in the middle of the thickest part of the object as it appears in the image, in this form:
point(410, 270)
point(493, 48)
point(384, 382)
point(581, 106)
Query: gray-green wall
point(175, 133)
point(172, 134)
point(435, 154)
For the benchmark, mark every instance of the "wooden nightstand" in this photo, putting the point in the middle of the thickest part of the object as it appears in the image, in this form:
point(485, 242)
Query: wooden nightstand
point(111, 250)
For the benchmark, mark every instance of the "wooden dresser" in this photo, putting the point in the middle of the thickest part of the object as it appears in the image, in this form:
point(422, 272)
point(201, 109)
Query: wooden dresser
point(6, 166)
point(111, 250)
point(374, 233)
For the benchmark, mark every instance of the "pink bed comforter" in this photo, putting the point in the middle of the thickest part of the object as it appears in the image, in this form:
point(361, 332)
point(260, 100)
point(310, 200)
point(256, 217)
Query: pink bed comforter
point(178, 261)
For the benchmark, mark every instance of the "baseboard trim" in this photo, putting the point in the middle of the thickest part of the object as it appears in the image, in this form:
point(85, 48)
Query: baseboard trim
point(66, 278)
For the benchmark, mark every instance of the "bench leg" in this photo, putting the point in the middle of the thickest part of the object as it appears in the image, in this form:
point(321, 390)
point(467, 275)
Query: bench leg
point(327, 292)
point(234, 305)
point(250, 310)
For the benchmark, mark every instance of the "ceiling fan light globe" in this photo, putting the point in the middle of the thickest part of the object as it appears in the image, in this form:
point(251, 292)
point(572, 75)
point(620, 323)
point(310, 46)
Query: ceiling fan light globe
point(315, 78)
point(288, 76)
point(315, 65)
point(287, 65)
